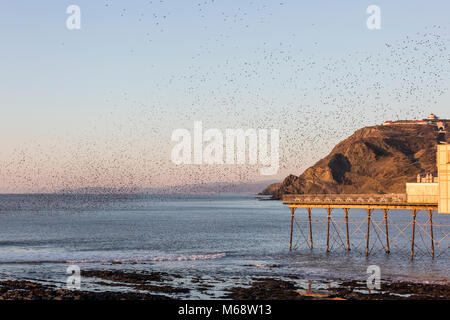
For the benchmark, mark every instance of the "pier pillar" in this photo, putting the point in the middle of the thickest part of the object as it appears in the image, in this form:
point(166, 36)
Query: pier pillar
point(328, 228)
point(292, 228)
point(369, 212)
point(346, 225)
point(413, 232)
point(310, 228)
point(431, 233)
point(388, 250)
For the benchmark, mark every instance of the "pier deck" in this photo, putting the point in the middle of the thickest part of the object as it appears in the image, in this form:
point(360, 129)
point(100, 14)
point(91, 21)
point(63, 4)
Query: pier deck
point(361, 201)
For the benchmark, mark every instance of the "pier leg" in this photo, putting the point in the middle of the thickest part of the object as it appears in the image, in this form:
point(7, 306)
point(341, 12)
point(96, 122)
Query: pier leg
point(388, 250)
point(310, 227)
point(328, 228)
point(346, 225)
point(292, 228)
point(431, 233)
point(413, 233)
point(369, 211)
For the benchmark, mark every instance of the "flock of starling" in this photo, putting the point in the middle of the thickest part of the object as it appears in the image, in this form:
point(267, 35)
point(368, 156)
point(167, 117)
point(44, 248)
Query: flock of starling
point(315, 99)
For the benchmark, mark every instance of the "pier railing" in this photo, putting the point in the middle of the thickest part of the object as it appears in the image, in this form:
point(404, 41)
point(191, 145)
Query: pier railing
point(354, 199)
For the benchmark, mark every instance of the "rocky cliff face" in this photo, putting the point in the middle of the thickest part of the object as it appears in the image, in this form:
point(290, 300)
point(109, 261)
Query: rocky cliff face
point(379, 159)
point(271, 189)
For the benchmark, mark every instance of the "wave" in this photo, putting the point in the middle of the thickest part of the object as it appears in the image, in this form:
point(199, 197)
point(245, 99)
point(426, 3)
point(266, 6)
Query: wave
point(99, 257)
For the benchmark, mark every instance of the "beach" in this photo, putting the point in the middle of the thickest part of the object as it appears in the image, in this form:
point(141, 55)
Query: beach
point(156, 286)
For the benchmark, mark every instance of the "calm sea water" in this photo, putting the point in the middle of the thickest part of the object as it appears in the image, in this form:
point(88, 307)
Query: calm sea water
point(228, 236)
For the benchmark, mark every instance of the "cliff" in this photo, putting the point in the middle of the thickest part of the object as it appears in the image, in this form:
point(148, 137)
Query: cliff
point(378, 159)
point(271, 189)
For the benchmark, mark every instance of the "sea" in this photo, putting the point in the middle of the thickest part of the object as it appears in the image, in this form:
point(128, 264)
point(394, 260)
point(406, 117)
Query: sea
point(232, 237)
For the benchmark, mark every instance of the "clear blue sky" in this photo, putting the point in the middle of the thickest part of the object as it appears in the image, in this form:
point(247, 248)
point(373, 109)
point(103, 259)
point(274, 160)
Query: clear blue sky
point(139, 69)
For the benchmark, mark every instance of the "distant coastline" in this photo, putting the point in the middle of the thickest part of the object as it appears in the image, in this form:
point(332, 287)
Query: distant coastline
point(206, 188)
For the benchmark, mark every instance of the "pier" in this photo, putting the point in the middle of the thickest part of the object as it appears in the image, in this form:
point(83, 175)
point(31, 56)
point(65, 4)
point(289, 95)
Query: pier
point(388, 204)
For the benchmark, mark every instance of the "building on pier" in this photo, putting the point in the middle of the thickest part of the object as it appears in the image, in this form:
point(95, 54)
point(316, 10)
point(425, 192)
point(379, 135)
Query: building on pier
point(443, 164)
point(433, 190)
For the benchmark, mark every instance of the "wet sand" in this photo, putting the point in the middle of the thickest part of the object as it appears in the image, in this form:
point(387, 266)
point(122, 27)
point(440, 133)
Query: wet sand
point(27, 290)
point(272, 289)
point(163, 286)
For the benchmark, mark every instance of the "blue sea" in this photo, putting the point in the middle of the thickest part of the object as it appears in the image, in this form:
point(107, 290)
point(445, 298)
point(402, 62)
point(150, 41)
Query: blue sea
point(231, 237)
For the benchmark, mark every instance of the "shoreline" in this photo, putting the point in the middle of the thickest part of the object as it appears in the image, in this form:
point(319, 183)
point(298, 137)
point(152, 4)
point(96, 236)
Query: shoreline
point(164, 286)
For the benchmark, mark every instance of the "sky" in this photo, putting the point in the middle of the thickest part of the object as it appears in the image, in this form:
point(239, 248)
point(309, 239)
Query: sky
point(97, 106)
